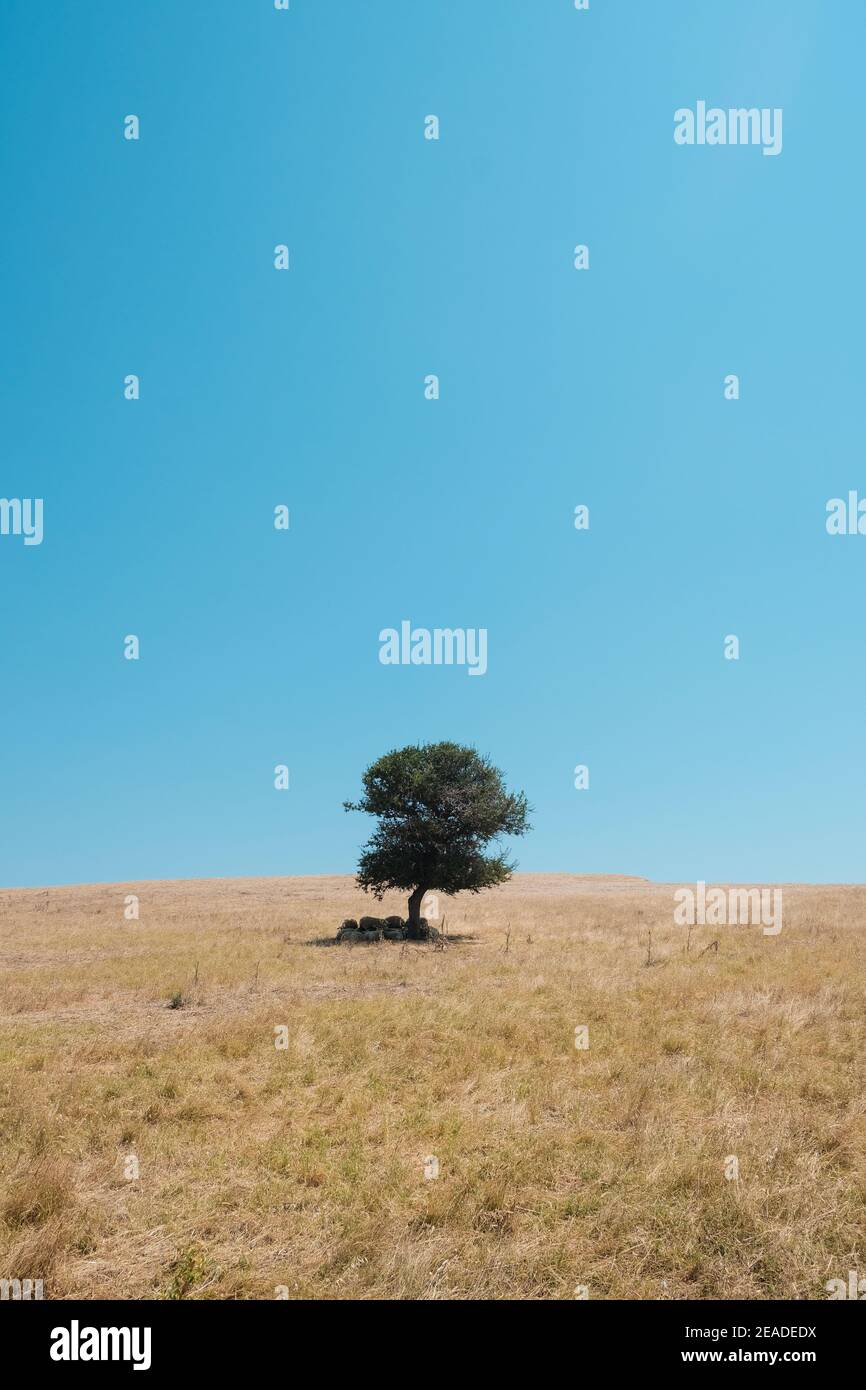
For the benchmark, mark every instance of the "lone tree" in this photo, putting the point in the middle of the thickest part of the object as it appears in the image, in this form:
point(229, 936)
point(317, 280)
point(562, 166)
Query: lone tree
point(439, 805)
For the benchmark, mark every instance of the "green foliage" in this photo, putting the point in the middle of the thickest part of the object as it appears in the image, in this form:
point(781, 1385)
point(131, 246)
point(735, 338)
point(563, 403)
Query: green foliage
point(188, 1269)
point(439, 805)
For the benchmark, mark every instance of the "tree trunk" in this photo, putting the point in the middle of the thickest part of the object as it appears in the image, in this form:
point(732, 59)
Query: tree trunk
point(414, 923)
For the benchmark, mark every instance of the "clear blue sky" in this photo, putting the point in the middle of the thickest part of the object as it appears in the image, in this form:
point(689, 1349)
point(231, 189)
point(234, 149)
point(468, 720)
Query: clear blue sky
point(305, 387)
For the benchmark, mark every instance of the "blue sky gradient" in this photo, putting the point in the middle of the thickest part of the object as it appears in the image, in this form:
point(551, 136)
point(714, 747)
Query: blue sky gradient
point(305, 387)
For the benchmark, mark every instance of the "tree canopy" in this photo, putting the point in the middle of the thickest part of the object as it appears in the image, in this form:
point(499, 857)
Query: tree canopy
point(439, 805)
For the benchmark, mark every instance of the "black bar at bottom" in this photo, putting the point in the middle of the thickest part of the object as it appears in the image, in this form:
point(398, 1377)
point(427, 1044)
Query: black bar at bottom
point(159, 1338)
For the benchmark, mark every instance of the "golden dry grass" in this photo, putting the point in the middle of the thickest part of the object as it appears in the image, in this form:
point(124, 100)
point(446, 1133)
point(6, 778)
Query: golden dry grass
point(304, 1167)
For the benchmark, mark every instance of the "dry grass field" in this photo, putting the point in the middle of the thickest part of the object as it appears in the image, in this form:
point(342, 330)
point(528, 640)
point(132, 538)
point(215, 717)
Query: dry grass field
point(304, 1167)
